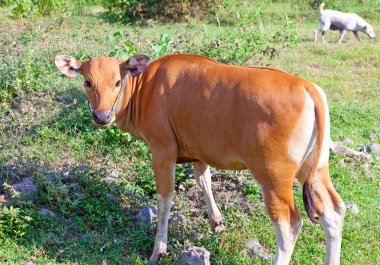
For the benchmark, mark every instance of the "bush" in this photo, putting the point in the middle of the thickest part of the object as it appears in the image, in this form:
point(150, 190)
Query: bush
point(14, 223)
point(35, 8)
point(174, 10)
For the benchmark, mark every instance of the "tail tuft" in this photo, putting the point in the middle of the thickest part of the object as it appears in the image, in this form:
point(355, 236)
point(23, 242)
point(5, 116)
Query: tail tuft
point(308, 200)
point(321, 7)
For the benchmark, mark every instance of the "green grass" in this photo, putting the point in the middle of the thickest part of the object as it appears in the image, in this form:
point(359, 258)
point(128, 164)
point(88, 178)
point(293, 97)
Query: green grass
point(95, 179)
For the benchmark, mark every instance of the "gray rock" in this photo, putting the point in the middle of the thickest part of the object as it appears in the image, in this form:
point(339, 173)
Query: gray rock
point(181, 186)
point(373, 136)
point(114, 173)
point(257, 250)
point(352, 207)
point(194, 256)
point(26, 187)
point(375, 149)
point(48, 213)
point(28, 263)
point(339, 147)
point(146, 216)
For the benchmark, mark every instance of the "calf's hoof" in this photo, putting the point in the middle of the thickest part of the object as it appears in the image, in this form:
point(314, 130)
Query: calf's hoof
point(155, 258)
point(217, 226)
point(159, 250)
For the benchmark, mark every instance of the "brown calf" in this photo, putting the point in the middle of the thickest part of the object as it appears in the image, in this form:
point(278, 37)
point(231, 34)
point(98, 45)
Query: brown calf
point(189, 108)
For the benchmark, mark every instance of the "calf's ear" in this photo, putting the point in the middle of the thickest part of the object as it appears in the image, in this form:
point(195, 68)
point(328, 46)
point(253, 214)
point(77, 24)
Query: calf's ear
point(68, 65)
point(135, 65)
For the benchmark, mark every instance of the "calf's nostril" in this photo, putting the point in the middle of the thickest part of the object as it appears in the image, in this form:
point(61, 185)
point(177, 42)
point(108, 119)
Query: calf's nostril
point(102, 117)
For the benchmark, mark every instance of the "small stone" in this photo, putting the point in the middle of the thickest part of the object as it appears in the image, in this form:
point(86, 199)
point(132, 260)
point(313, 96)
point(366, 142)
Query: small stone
point(28, 263)
point(146, 216)
point(375, 149)
point(339, 147)
point(114, 173)
point(373, 136)
point(48, 213)
point(194, 256)
point(257, 250)
point(352, 207)
point(109, 179)
point(26, 187)
point(181, 186)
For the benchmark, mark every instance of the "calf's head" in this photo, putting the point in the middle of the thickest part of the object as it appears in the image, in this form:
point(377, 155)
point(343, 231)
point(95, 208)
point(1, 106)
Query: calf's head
point(104, 78)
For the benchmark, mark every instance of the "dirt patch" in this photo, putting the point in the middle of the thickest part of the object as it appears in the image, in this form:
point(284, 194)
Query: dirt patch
point(189, 213)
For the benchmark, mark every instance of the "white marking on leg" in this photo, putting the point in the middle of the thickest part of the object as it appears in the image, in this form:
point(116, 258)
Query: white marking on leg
point(203, 176)
point(332, 221)
point(301, 141)
point(286, 237)
point(160, 244)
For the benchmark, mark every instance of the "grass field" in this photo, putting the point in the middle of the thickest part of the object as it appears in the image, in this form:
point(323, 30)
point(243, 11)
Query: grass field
point(95, 179)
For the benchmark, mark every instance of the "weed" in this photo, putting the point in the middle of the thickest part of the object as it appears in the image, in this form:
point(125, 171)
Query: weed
point(14, 223)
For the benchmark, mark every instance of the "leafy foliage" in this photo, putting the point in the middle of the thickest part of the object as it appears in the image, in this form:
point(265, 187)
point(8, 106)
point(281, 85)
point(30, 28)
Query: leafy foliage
point(14, 223)
point(121, 49)
point(34, 8)
point(177, 10)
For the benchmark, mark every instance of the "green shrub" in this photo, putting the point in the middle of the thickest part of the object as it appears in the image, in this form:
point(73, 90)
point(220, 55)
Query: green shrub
point(36, 8)
point(24, 74)
point(174, 10)
point(21, 9)
point(14, 223)
point(6, 2)
point(121, 49)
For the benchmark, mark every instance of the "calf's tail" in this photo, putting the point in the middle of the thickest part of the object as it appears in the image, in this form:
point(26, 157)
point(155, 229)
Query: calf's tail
point(307, 191)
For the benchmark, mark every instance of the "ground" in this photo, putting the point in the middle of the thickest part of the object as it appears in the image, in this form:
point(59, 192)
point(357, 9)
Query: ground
point(95, 180)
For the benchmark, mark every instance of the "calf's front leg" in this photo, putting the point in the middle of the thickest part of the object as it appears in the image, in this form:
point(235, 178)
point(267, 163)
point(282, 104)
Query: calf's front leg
point(203, 176)
point(164, 171)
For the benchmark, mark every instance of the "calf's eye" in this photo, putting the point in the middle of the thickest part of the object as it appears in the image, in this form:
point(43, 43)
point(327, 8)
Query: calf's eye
point(117, 83)
point(87, 84)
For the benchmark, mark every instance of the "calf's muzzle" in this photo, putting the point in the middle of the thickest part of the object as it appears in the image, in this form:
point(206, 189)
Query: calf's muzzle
point(102, 118)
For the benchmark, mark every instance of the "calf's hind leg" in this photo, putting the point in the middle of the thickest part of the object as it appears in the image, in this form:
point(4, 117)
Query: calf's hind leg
point(203, 176)
point(329, 207)
point(277, 191)
point(331, 210)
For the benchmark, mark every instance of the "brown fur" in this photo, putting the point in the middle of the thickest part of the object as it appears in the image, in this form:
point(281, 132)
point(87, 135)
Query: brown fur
point(190, 108)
